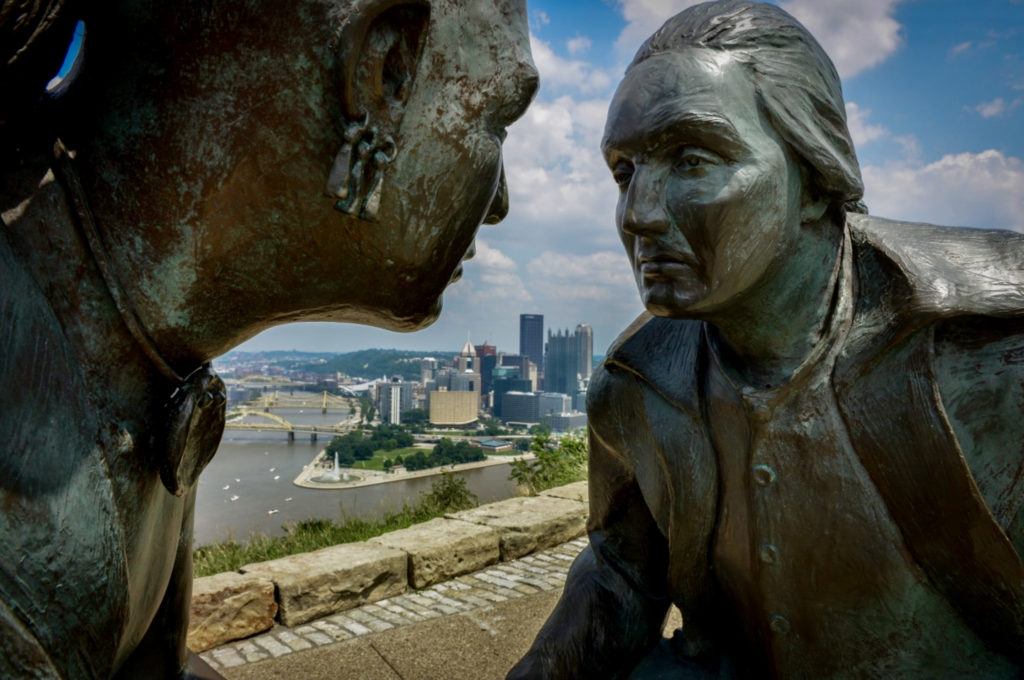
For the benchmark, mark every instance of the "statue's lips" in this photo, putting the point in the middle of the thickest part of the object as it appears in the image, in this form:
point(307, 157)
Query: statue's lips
point(665, 266)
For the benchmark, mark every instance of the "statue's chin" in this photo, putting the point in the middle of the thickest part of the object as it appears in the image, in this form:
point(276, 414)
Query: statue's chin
point(406, 320)
point(421, 321)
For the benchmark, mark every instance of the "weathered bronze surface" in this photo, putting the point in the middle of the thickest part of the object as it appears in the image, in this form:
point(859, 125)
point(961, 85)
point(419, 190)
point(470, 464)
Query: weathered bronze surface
point(207, 170)
point(813, 443)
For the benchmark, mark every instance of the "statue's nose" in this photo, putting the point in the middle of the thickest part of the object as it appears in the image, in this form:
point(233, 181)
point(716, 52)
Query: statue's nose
point(644, 212)
point(522, 87)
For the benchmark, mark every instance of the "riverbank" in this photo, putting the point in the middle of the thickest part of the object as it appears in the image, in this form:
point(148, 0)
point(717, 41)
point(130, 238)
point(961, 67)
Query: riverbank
point(305, 478)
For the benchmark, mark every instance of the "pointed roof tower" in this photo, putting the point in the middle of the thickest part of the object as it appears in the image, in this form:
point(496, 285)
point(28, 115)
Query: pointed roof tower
point(468, 350)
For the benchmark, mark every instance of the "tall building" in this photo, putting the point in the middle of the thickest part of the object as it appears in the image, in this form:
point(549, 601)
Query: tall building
point(487, 355)
point(568, 358)
point(553, 403)
point(506, 379)
point(527, 369)
point(531, 337)
point(428, 367)
point(560, 363)
point(396, 397)
point(453, 408)
point(584, 350)
point(520, 407)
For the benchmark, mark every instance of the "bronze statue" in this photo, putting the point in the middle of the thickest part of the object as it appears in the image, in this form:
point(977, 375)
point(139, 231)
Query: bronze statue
point(813, 444)
point(206, 170)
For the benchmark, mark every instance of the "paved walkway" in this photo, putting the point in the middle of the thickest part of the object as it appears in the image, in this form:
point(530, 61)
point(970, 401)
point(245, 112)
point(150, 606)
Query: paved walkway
point(473, 627)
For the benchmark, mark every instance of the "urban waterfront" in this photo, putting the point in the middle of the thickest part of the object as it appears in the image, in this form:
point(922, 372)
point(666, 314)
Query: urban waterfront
point(248, 485)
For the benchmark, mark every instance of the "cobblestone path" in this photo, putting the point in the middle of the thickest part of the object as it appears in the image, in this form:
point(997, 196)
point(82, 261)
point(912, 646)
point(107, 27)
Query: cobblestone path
point(545, 570)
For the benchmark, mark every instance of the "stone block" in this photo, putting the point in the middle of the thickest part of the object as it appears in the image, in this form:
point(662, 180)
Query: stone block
point(529, 524)
point(229, 607)
point(577, 491)
point(442, 549)
point(327, 581)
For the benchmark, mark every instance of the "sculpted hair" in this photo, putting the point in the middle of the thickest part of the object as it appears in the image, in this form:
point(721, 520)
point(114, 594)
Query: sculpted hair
point(795, 80)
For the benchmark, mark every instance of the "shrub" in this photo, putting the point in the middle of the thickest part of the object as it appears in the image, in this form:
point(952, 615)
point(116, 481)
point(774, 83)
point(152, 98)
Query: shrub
point(554, 463)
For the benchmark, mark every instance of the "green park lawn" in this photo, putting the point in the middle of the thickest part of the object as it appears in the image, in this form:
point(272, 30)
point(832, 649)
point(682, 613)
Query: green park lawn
point(377, 462)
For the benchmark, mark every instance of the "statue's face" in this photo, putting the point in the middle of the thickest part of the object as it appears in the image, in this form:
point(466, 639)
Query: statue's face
point(216, 139)
point(477, 78)
point(710, 196)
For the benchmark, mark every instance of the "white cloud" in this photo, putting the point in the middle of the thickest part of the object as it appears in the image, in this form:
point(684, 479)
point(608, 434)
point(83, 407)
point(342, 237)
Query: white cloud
point(996, 107)
point(957, 50)
point(965, 189)
point(644, 17)
point(910, 148)
point(856, 35)
point(539, 19)
point(598, 289)
point(598, 276)
point(580, 43)
point(861, 131)
point(559, 186)
point(497, 274)
point(566, 74)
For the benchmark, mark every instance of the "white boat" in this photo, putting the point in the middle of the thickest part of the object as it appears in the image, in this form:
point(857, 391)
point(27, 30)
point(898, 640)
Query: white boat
point(233, 498)
point(273, 512)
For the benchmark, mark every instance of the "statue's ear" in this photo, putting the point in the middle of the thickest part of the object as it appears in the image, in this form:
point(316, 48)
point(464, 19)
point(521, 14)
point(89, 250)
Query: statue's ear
point(379, 53)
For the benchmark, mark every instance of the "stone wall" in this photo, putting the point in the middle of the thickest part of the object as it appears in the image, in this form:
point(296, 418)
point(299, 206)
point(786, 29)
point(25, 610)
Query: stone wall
point(301, 588)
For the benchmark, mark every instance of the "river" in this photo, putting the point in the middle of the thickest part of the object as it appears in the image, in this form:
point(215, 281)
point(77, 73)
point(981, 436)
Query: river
point(257, 468)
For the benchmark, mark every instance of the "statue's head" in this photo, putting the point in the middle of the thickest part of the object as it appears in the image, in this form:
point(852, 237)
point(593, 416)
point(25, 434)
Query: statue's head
point(307, 160)
point(727, 134)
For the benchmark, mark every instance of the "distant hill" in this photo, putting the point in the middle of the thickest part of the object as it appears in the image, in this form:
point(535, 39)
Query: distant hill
point(371, 363)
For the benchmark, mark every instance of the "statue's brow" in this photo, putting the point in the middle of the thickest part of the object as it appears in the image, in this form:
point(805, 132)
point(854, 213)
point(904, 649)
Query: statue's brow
point(666, 127)
point(673, 127)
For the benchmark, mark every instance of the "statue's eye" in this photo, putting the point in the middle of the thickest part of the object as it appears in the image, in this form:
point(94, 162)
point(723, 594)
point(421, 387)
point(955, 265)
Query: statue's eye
point(622, 173)
point(697, 158)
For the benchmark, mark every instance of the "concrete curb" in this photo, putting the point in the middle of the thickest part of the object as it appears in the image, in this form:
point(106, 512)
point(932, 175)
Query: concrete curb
point(332, 580)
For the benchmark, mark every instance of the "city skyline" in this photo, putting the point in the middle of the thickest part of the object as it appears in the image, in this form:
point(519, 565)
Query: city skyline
point(935, 102)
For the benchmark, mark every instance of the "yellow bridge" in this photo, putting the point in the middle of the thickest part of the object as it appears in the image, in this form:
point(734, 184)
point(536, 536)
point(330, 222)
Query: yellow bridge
point(241, 418)
point(326, 402)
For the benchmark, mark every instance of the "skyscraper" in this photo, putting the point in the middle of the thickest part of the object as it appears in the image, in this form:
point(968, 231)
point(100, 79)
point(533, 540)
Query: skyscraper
point(531, 337)
point(560, 363)
point(487, 355)
point(568, 358)
point(585, 350)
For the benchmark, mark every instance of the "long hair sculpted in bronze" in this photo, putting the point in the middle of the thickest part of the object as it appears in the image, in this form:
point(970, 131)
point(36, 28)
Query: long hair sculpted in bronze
point(812, 443)
point(205, 171)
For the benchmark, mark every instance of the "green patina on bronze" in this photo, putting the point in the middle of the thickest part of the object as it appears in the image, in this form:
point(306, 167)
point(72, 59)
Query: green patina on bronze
point(813, 443)
point(169, 200)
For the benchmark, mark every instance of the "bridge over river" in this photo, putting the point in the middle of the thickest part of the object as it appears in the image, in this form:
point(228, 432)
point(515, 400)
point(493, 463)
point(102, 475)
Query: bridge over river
point(257, 414)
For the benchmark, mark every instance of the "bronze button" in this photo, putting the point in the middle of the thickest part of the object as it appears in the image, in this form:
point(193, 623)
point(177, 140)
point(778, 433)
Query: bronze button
point(768, 553)
point(778, 624)
point(764, 475)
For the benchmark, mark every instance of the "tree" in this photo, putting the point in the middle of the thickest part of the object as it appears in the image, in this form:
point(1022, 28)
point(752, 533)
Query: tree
point(540, 428)
point(554, 463)
point(449, 493)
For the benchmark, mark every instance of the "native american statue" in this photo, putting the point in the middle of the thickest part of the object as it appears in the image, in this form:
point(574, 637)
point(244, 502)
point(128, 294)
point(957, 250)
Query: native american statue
point(205, 170)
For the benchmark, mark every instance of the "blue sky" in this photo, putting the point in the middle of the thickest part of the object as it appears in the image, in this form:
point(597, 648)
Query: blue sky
point(935, 101)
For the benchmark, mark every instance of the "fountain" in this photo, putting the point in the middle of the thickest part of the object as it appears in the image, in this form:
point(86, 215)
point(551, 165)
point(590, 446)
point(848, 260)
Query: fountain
point(335, 475)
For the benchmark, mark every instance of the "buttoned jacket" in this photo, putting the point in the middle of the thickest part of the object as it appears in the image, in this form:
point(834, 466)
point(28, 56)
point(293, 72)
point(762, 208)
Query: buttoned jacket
point(943, 447)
